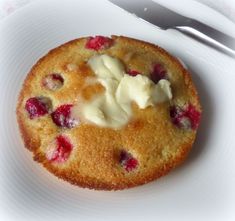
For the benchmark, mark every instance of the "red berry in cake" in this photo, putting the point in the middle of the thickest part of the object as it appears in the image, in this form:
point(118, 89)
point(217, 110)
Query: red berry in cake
point(133, 73)
point(185, 118)
point(53, 81)
point(37, 106)
point(62, 116)
point(158, 73)
point(73, 136)
point(127, 161)
point(60, 149)
point(194, 116)
point(99, 43)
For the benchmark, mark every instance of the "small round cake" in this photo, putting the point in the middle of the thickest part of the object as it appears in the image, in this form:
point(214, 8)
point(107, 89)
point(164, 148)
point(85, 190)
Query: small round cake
point(108, 113)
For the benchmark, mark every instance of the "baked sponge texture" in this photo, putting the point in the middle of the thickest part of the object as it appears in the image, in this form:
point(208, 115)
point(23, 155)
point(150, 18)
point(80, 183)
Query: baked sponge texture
point(153, 142)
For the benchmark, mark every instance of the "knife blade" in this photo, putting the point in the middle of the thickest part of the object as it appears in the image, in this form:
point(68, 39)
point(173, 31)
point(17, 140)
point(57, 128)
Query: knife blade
point(165, 18)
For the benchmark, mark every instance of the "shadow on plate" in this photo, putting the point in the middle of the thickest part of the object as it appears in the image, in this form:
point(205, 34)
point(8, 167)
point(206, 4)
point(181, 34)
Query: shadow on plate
point(200, 146)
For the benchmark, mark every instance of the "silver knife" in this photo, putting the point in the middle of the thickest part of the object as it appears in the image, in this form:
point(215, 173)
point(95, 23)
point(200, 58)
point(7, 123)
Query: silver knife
point(167, 19)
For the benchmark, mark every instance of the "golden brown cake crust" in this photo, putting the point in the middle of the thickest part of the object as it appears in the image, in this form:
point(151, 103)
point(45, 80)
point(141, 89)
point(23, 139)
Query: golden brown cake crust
point(157, 143)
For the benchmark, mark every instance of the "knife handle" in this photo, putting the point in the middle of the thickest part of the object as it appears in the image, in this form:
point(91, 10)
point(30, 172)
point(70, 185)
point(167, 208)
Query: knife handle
point(205, 39)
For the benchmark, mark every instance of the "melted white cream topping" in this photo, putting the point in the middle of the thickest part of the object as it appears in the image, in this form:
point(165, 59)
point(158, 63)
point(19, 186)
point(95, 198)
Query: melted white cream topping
point(113, 107)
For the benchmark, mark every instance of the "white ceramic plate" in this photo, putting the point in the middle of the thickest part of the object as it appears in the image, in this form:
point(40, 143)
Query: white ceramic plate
point(201, 189)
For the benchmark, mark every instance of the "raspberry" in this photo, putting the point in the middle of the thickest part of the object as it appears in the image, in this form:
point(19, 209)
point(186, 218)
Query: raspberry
point(127, 161)
point(60, 149)
point(62, 116)
point(158, 73)
point(53, 81)
point(185, 118)
point(98, 43)
point(37, 106)
point(133, 73)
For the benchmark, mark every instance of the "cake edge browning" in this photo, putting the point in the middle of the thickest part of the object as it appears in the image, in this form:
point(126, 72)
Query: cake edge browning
point(90, 183)
point(29, 143)
point(87, 182)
